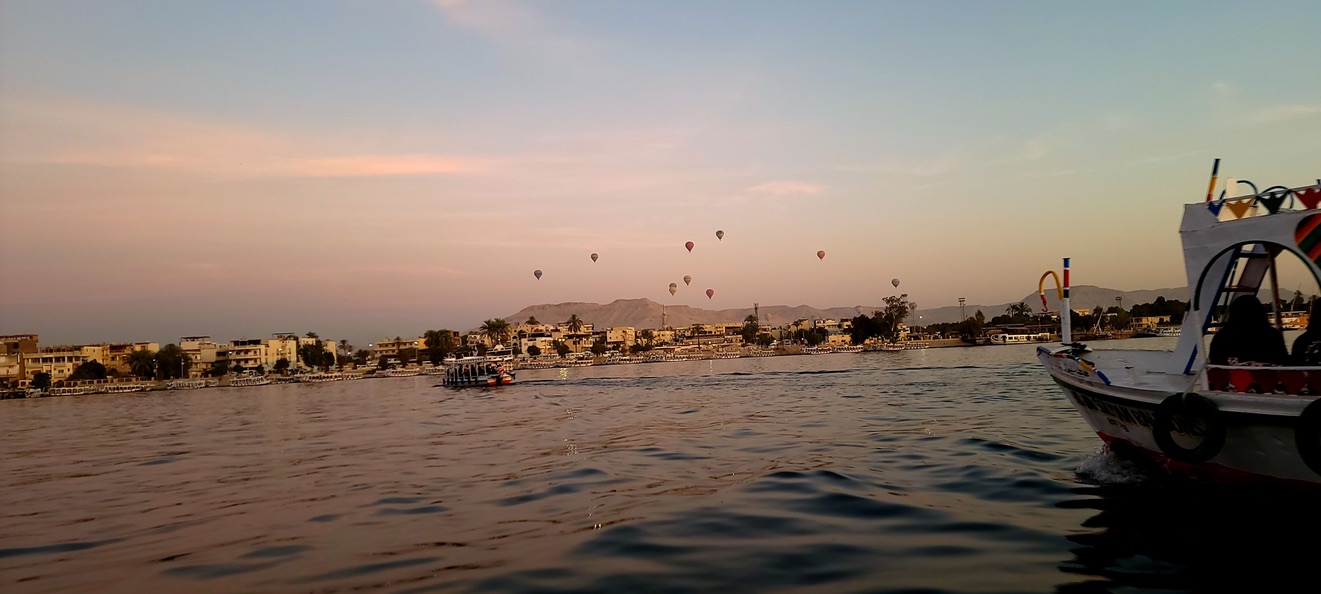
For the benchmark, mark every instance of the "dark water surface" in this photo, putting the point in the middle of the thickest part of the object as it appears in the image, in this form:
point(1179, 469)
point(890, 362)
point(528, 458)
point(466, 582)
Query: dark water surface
point(944, 470)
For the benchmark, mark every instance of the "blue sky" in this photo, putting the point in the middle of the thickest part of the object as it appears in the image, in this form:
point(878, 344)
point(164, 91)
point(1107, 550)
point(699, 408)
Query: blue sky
point(366, 169)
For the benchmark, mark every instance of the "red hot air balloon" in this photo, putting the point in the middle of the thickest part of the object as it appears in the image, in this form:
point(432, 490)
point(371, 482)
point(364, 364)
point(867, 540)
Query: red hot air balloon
point(537, 273)
point(594, 256)
point(821, 254)
point(720, 234)
point(710, 293)
point(689, 245)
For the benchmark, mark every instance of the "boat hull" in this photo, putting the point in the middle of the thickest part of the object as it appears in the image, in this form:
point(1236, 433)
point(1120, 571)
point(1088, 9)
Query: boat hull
point(1260, 438)
point(481, 381)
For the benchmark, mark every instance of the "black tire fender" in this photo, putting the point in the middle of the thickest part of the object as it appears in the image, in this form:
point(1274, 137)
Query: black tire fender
point(1192, 405)
point(1307, 436)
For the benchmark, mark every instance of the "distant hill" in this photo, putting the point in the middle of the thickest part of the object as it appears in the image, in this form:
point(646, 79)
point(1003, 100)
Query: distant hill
point(645, 313)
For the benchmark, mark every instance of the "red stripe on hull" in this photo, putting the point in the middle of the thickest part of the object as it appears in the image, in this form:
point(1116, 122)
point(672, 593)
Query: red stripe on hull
point(1208, 472)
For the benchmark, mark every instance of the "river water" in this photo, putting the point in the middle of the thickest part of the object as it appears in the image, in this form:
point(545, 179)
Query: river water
point(941, 470)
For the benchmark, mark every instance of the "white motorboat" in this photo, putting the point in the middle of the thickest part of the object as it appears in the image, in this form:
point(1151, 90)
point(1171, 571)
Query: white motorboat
point(1236, 423)
point(244, 381)
point(495, 368)
point(849, 348)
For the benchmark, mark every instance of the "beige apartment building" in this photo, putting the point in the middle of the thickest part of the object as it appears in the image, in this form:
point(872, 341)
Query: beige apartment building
point(59, 364)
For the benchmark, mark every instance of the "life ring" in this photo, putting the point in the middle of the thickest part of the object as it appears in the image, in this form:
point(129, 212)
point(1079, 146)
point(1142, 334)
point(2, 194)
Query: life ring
point(1191, 405)
point(1307, 436)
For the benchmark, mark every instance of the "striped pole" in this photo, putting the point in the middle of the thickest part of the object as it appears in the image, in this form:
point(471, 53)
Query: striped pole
point(1210, 189)
point(1066, 313)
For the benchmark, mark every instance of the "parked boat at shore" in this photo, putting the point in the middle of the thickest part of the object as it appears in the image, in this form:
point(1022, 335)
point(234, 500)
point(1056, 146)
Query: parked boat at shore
point(244, 381)
point(1223, 422)
point(818, 350)
point(849, 348)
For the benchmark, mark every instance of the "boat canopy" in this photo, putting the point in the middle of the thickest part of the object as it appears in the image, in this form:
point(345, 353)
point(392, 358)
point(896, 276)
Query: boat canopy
point(1229, 249)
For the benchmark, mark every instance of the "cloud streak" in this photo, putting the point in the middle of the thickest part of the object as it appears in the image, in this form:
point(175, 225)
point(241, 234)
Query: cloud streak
point(1280, 113)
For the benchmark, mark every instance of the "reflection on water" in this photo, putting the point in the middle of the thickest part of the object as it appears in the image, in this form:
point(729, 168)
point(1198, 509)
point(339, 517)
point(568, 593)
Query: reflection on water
point(943, 470)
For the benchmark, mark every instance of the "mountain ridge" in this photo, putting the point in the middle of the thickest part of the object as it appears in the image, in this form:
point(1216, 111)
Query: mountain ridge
point(645, 313)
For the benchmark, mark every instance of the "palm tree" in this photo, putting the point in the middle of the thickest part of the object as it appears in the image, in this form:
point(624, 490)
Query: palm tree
point(532, 321)
point(574, 323)
point(438, 344)
point(648, 336)
point(496, 330)
point(1018, 309)
point(345, 347)
point(142, 363)
point(697, 333)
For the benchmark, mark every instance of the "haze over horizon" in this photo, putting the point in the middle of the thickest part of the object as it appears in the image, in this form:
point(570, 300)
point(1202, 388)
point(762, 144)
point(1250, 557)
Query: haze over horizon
point(367, 169)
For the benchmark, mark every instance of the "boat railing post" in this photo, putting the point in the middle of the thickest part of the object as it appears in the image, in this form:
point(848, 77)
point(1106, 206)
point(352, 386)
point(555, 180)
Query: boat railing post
point(1066, 313)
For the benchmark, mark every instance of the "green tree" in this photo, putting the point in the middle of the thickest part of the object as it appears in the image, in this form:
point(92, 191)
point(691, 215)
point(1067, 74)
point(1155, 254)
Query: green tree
point(495, 330)
point(219, 368)
point(238, 368)
point(574, 323)
point(313, 354)
point(172, 362)
point(89, 370)
point(648, 336)
point(532, 321)
point(560, 348)
point(816, 336)
point(312, 335)
point(765, 339)
point(750, 329)
point(889, 318)
point(598, 346)
point(361, 357)
point(439, 344)
point(408, 356)
point(142, 363)
point(328, 359)
point(281, 366)
point(533, 351)
point(41, 381)
point(261, 370)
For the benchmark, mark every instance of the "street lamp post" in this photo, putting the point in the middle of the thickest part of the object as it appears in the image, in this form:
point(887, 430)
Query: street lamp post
point(962, 313)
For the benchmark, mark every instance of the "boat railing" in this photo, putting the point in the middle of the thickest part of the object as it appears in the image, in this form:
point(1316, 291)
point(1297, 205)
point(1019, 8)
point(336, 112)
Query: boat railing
point(1296, 381)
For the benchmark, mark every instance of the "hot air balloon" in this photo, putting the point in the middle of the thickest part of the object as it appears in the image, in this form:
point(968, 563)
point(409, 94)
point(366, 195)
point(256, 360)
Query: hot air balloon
point(594, 256)
point(687, 280)
point(689, 245)
point(674, 288)
point(895, 282)
point(821, 254)
point(720, 234)
point(710, 293)
point(537, 273)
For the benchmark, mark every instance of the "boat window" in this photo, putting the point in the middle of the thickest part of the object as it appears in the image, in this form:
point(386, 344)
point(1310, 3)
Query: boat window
point(1277, 275)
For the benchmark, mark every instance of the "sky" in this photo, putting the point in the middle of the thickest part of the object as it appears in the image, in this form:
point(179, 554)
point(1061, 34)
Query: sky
point(365, 169)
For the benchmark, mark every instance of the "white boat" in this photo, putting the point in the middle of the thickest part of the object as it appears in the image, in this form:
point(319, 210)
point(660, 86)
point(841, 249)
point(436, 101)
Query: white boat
point(72, 390)
point(495, 368)
point(1235, 423)
point(189, 384)
point(849, 348)
point(320, 377)
point(244, 381)
point(1169, 331)
point(891, 347)
point(402, 372)
point(123, 388)
point(915, 346)
point(817, 350)
point(1019, 337)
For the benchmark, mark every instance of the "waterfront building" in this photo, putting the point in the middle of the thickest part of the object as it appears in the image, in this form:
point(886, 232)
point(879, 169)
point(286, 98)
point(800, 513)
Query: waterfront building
point(246, 352)
point(59, 364)
point(390, 347)
point(18, 343)
point(115, 355)
point(621, 336)
point(202, 352)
